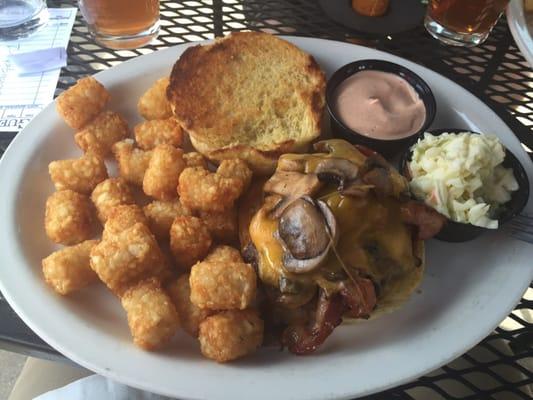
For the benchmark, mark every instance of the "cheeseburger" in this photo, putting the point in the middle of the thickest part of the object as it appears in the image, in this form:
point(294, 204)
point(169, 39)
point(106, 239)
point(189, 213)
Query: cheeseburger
point(334, 235)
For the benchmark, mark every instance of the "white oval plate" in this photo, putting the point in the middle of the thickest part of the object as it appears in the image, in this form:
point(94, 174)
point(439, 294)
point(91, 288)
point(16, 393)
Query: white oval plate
point(468, 289)
point(521, 29)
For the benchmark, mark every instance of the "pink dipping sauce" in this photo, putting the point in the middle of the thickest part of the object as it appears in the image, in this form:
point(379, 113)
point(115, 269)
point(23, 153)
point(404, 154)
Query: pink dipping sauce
point(379, 105)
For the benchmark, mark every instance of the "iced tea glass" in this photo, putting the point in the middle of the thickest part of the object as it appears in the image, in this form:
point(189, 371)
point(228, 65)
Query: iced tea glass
point(463, 22)
point(121, 24)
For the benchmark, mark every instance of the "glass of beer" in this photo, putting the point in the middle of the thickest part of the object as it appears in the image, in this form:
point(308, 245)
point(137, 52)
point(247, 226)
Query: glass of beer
point(121, 24)
point(463, 22)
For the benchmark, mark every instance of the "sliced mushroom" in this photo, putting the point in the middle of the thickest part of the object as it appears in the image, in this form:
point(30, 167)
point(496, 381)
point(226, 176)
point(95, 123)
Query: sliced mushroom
point(375, 160)
point(290, 294)
point(307, 230)
point(291, 164)
point(303, 229)
point(387, 181)
point(291, 185)
point(341, 149)
point(336, 169)
point(380, 178)
point(356, 188)
point(295, 294)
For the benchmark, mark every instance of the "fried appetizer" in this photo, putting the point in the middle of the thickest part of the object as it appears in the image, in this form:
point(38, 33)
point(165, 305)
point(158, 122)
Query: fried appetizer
point(161, 215)
point(150, 134)
point(200, 189)
point(109, 194)
point(194, 159)
point(222, 225)
point(224, 254)
point(189, 240)
point(123, 217)
point(68, 269)
point(79, 104)
point(79, 174)
point(236, 168)
point(190, 315)
point(222, 285)
point(161, 177)
point(152, 317)
point(101, 133)
point(153, 104)
point(68, 218)
point(124, 259)
point(230, 334)
point(132, 162)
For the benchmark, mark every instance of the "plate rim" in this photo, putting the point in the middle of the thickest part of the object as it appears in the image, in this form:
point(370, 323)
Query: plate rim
point(145, 386)
point(516, 21)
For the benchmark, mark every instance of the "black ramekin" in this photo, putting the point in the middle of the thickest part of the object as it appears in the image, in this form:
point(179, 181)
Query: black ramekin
point(387, 148)
point(461, 232)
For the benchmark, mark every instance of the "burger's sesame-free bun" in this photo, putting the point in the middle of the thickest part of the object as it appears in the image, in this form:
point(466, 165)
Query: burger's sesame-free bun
point(249, 95)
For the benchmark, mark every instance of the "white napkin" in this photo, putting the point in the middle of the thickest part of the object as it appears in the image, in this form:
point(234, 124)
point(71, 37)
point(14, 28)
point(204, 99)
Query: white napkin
point(39, 60)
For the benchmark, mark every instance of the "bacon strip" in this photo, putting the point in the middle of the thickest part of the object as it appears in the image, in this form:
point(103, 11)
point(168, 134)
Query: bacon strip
point(359, 297)
point(303, 340)
point(428, 221)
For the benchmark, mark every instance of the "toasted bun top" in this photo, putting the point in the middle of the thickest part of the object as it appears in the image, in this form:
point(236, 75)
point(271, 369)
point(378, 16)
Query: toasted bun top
point(248, 90)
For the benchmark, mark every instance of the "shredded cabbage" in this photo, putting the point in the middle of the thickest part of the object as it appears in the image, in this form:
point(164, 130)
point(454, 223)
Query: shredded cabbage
point(460, 176)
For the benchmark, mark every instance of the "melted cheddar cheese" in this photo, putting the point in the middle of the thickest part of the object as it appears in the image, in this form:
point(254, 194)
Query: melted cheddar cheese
point(373, 239)
point(269, 250)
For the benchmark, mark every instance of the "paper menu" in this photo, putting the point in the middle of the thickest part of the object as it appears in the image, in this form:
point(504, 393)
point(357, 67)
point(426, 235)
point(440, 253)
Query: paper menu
point(23, 96)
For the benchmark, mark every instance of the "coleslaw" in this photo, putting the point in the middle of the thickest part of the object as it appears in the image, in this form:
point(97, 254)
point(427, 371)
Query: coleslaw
point(460, 175)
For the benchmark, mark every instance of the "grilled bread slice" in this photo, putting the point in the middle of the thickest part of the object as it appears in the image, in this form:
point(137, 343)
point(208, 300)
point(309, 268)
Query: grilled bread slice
point(249, 95)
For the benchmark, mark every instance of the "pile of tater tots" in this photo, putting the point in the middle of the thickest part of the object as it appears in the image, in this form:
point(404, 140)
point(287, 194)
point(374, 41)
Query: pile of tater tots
point(160, 234)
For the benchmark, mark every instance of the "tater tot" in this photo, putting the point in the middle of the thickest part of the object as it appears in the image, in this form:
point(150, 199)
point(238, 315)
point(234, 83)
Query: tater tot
point(236, 168)
point(200, 189)
point(150, 134)
point(190, 315)
point(165, 270)
point(222, 285)
point(123, 259)
point(230, 334)
point(79, 174)
point(189, 240)
point(132, 162)
point(224, 254)
point(100, 134)
point(161, 215)
point(109, 194)
point(68, 269)
point(79, 104)
point(222, 225)
point(152, 317)
point(123, 217)
point(194, 159)
point(153, 104)
point(69, 217)
point(161, 177)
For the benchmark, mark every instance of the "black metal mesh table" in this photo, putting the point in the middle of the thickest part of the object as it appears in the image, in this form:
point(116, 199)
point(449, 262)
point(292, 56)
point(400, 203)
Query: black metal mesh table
point(501, 366)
